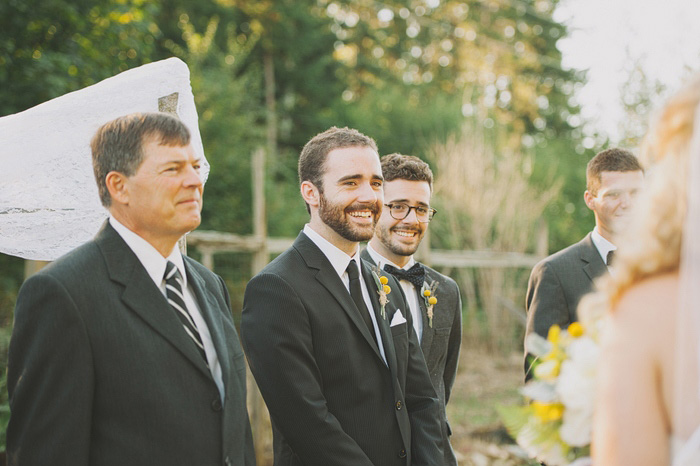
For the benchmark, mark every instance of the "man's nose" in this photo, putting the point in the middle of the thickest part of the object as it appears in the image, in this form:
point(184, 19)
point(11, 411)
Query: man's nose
point(626, 200)
point(367, 193)
point(192, 177)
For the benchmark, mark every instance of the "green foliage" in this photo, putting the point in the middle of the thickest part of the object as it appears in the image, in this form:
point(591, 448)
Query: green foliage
point(52, 47)
point(272, 73)
point(230, 122)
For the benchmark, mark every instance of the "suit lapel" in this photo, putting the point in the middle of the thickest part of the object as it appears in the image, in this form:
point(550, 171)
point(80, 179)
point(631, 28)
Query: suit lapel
point(208, 306)
point(428, 331)
point(427, 337)
point(142, 296)
point(594, 266)
point(329, 279)
point(382, 323)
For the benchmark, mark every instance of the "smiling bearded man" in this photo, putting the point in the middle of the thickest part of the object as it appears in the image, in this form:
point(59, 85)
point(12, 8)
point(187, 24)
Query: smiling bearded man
point(345, 384)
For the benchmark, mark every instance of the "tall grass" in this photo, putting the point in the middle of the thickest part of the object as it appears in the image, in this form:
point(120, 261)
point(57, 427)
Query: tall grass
point(487, 202)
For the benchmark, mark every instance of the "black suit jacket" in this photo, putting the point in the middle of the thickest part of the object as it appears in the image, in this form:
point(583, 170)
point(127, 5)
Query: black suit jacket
point(441, 343)
point(558, 283)
point(332, 399)
point(101, 372)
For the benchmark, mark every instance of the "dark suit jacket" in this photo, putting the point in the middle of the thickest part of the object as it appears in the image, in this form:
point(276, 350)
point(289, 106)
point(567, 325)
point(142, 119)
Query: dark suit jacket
point(101, 372)
point(558, 283)
point(440, 343)
point(332, 399)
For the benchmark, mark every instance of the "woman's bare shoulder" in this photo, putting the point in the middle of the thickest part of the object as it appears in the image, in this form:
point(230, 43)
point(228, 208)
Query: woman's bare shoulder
point(649, 298)
point(645, 315)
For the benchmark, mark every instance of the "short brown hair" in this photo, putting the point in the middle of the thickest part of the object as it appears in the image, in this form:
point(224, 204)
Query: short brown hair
point(610, 160)
point(313, 156)
point(406, 167)
point(118, 145)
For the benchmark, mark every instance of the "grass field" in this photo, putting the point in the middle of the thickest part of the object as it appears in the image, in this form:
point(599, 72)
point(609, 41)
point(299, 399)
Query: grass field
point(483, 382)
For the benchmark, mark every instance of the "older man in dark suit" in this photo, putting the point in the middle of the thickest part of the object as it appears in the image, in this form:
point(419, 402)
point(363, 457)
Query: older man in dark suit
point(557, 283)
point(334, 355)
point(124, 351)
point(408, 184)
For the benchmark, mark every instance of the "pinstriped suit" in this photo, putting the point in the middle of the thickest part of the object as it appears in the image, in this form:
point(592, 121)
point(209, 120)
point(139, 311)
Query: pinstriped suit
point(101, 372)
point(441, 344)
point(332, 399)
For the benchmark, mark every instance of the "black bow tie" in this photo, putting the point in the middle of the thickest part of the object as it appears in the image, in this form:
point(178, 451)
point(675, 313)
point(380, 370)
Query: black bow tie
point(415, 275)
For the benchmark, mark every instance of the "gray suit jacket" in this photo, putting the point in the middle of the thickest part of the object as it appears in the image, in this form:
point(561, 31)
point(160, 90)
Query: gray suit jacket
point(441, 343)
point(332, 399)
point(101, 372)
point(558, 283)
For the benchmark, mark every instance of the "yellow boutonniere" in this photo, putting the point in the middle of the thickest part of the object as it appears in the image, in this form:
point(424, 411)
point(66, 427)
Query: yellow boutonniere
point(382, 288)
point(428, 293)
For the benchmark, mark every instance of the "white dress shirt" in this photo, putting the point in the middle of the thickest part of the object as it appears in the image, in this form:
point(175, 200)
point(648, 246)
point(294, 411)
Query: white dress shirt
point(339, 261)
point(603, 246)
point(408, 289)
point(155, 263)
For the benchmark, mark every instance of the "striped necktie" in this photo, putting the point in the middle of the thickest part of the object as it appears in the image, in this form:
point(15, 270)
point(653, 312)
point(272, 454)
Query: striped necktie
point(173, 291)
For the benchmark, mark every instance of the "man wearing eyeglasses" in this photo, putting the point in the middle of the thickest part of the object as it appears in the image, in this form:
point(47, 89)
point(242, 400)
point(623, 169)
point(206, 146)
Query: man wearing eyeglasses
point(408, 184)
point(337, 362)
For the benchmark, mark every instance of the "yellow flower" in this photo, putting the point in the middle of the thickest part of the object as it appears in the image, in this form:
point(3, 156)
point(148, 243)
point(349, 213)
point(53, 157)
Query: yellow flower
point(553, 334)
point(575, 329)
point(383, 280)
point(547, 370)
point(554, 355)
point(426, 293)
point(548, 411)
point(387, 288)
point(432, 300)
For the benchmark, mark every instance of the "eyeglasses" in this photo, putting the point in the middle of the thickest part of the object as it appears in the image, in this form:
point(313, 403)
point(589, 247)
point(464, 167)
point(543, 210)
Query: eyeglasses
point(400, 211)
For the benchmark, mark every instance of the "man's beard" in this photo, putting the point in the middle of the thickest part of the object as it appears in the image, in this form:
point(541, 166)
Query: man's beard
point(334, 216)
point(384, 236)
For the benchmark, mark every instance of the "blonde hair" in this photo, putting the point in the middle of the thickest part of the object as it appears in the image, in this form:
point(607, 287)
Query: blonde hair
point(652, 244)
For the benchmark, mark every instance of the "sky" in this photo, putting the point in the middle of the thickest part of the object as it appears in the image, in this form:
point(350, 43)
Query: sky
point(606, 36)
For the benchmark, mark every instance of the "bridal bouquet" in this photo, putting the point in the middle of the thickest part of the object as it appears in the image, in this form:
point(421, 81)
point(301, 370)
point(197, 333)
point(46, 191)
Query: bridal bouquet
point(555, 425)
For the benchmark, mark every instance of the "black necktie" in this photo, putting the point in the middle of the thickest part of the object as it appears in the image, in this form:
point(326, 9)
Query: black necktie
point(356, 294)
point(173, 291)
point(415, 275)
point(610, 257)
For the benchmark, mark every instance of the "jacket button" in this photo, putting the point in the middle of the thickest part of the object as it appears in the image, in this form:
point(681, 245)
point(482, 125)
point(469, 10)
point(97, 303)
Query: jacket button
point(402, 453)
point(216, 404)
point(398, 405)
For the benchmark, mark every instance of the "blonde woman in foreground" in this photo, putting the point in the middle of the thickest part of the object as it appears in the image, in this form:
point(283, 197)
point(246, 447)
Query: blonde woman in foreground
point(647, 402)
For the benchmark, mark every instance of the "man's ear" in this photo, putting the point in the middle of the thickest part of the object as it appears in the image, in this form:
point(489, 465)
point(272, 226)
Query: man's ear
point(588, 199)
point(310, 193)
point(117, 187)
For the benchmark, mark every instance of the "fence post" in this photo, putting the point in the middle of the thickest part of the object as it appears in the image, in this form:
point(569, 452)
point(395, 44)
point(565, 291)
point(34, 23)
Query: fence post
point(259, 416)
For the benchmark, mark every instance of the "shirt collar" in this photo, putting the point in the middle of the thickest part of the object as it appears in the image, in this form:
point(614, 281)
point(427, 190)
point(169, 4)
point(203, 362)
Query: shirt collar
point(379, 259)
point(602, 245)
point(150, 258)
point(339, 260)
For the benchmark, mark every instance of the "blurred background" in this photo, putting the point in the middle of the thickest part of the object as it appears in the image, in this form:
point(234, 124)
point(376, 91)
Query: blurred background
point(506, 99)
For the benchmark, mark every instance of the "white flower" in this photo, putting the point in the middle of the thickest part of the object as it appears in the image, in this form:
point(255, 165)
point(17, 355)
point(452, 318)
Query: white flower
point(576, 390)
point(536, 345)
point(552, 453)
point(540, 391)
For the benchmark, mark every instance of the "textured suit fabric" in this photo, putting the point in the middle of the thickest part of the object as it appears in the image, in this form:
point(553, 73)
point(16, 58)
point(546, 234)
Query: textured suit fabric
point(332, 399)
point(558, 283)
point(101, 372)
point(441, 344)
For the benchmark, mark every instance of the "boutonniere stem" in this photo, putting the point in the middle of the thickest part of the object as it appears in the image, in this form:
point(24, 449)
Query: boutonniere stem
point(430, 299)
point(382, 288)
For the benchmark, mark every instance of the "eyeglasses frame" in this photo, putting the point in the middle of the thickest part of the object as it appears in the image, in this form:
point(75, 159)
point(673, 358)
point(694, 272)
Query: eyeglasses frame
point(431, 211)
